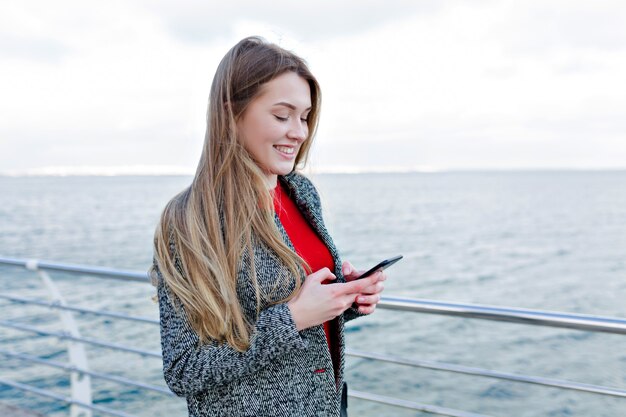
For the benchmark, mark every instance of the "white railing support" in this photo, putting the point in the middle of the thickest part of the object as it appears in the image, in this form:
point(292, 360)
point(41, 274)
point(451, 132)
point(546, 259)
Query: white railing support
point(80, 383)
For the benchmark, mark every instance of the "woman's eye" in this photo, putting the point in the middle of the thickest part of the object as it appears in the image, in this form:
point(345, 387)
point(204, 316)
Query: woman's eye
point(284, 119)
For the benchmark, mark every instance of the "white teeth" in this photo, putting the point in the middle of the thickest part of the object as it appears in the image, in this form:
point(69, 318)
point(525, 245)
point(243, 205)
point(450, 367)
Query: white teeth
point(284, 149)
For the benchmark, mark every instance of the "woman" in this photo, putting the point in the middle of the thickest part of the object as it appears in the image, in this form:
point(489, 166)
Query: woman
point(240, 256)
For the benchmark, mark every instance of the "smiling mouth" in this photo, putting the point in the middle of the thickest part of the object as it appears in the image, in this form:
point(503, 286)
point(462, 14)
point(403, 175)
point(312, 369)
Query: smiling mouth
point(285, 150)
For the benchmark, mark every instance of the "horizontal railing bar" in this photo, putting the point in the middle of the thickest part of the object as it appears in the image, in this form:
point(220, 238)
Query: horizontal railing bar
point(67, 336)
point(439, 366)
point(97, 271)
point(57, 305)
point(431, 409)
point(62, 398)
point(513, 315)
point(71, 368)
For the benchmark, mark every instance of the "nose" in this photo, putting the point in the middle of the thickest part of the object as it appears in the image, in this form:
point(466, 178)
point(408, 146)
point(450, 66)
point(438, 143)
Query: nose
point(298, 131)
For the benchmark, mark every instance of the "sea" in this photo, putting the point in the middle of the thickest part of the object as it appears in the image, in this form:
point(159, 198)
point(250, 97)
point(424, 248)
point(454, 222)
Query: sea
point(547, 240)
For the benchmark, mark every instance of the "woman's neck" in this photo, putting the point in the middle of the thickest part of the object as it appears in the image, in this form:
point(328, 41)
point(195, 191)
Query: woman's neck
point(272, 181)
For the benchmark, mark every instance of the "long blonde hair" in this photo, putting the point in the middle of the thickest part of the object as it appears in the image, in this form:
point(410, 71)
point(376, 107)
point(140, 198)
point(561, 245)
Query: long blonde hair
point(228, 205)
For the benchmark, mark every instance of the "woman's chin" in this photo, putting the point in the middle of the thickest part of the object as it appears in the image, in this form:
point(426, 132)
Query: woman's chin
point(283, 169)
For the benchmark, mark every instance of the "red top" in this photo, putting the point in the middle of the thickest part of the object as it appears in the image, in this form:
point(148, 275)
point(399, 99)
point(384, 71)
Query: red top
point(306, 242)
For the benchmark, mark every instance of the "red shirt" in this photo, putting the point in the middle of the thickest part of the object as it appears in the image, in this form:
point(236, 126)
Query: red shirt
point(305, 240)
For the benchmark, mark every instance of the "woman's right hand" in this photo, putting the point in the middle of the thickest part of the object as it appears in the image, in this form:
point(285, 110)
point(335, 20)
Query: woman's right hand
point(316, 303)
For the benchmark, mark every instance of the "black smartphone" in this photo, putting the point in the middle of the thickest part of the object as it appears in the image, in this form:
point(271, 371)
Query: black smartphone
point(382, 265)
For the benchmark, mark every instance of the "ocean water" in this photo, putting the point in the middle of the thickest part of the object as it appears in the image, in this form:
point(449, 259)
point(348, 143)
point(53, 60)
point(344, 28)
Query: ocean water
point(547, 240)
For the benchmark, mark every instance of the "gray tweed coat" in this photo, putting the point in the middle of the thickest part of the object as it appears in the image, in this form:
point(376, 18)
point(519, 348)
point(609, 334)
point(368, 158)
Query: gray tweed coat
point(285, 372)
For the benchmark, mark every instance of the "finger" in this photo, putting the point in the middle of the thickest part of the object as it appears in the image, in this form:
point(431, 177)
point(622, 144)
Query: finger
point(368, 299)
point(353, 274)
point(358, 285)
point(346, 268)
point(367, 309)
point(374, 289)
point(378, 274)
point(322, 275)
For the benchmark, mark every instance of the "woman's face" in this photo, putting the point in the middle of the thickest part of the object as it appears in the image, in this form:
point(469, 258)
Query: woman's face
point(274, 126)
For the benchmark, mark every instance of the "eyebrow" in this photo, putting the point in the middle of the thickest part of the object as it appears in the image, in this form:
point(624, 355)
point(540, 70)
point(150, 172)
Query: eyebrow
point(291, 106)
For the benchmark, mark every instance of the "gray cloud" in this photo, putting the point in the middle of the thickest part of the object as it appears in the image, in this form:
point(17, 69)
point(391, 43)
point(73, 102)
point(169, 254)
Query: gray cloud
point(201, 21)
point(545, 27)
point(438, 84)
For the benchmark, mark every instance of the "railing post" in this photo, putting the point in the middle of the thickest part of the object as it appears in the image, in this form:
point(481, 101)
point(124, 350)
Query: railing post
point(80, 383)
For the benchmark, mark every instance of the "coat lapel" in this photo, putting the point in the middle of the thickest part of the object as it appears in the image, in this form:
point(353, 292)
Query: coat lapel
point(307, 200)
point(312, 212)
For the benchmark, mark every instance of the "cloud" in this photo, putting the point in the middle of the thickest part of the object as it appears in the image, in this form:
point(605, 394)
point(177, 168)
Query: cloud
point(479, 83)
point(208, 21)
point(542, 28)
point(33, 48)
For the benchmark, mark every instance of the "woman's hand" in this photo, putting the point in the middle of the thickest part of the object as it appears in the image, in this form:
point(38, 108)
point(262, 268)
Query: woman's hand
point(316, 303)
point(370, 296)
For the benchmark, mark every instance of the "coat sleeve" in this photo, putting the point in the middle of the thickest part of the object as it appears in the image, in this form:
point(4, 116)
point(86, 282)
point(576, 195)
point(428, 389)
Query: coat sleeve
point(351, 314)
point(190, 367)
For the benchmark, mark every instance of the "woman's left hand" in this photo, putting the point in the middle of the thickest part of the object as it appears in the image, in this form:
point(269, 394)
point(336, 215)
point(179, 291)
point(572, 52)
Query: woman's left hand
point(370, 296)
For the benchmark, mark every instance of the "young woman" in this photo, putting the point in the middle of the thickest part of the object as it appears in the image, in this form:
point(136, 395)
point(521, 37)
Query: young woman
point(241, 256)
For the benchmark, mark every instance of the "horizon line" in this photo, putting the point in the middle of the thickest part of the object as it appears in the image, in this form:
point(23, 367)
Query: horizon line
point(163, 170)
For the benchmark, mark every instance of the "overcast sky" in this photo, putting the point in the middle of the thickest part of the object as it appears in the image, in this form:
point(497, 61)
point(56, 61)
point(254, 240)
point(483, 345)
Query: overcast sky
point(122, 86)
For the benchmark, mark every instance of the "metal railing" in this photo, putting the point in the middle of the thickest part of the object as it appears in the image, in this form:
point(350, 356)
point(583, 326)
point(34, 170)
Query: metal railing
point(515, 315)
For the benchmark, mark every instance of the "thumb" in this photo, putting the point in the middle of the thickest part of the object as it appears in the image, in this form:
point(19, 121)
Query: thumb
point(322, 274)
